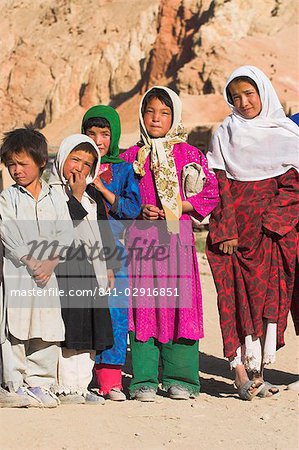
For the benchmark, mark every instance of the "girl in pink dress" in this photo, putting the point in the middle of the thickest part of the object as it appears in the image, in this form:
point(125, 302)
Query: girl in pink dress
point(166, 314)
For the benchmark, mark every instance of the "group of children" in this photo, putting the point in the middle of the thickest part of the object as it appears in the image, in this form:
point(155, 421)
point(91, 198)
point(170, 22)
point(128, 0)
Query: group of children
point(106, 247)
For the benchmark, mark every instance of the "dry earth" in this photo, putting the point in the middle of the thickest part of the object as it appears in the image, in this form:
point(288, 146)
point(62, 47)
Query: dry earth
point(216, 420)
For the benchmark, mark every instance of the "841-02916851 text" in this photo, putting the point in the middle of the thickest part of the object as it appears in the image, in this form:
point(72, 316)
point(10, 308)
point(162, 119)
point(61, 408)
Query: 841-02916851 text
point(140, 292)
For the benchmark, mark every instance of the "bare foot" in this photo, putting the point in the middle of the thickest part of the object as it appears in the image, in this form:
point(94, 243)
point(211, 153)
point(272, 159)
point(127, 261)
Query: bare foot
point(269, 390)
point(241, 378)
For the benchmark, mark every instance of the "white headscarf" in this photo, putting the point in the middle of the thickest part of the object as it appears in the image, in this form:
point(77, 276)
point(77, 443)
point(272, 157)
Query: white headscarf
point(259, 148)
point(87, 231)
point(162, 161)
point(66, 146)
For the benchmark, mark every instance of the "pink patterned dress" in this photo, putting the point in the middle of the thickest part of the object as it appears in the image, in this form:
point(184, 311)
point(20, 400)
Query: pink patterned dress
point(160, 261)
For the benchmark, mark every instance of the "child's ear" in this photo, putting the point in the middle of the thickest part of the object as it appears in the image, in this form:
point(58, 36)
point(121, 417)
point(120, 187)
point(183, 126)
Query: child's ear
point(42, 167)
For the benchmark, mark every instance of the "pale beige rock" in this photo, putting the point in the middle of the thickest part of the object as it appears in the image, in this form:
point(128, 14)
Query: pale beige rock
point(244, 32)
point(55, 58)
point(58, 59)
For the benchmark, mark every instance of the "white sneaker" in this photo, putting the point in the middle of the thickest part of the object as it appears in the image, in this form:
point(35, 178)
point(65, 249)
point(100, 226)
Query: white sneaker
point(31, 399)
point(12, 399)
point(177, 392)
point(144, 394)
point(45, 396)
point(116, 395)
point(93, 399)
point(71, 399)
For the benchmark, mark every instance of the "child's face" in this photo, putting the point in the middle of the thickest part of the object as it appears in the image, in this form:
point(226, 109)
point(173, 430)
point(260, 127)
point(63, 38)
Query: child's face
point(78, 161)
point(246, 99)
point(23, 169)
point(101, 137)
point(157, 118)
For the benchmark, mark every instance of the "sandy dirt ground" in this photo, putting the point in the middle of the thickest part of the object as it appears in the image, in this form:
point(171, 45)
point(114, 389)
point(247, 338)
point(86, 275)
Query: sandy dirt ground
point(215, 420)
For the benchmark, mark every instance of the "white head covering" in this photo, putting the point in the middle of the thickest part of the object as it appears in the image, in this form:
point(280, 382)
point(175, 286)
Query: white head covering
point(66, 147)
point(162, 161)
point(86, 232)
point(259, 148)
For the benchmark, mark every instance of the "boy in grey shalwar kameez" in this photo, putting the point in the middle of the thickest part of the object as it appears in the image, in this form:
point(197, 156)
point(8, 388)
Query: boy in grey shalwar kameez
point(32, 214)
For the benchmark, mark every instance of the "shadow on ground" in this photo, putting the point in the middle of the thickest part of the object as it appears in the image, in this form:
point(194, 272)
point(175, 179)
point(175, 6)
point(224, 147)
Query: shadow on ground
point(213, 367)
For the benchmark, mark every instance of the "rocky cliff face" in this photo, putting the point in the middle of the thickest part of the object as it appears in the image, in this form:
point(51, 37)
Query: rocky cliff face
point(59, 58)
point(201, 41)
point(54, 58)
point(232, 33)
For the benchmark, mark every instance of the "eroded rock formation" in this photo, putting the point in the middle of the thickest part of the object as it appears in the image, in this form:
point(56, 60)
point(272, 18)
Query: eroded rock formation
point(59, 58)
point(75, 53)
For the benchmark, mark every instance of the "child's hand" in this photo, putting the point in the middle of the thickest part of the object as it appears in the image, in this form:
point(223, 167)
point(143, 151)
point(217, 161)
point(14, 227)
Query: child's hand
point(34, 266)
point(151, 212)
point(43, 273)
point(98, 184)
point(229, 247)
point(31, 263)
point(111, 279)
point(77, 183)
point(108, 195)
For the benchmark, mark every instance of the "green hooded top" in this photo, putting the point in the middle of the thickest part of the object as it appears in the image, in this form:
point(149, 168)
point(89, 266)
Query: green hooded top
point(108, 113)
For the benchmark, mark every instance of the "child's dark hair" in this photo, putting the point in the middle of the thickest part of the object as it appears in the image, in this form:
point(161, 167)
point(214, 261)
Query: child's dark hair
point(88, 148)
point(242, 78)
point(161, 95)
point(99, 122)
point(27, 140)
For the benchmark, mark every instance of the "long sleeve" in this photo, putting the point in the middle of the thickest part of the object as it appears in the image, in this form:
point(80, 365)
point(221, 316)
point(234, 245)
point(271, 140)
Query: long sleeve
point(76, 210)
point(110, 249)
point(64, 233)
point(11, 234)
point(223, 224)
point(28, 227)
point(282, 214)
point(128, 202)
point(1, 262)
point(205, 201)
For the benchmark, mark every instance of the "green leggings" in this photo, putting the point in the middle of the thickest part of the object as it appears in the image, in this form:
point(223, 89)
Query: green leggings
point(179, 364)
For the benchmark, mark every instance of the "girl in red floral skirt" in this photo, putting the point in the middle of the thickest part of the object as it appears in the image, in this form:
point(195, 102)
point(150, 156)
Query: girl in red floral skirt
point(252, 239)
